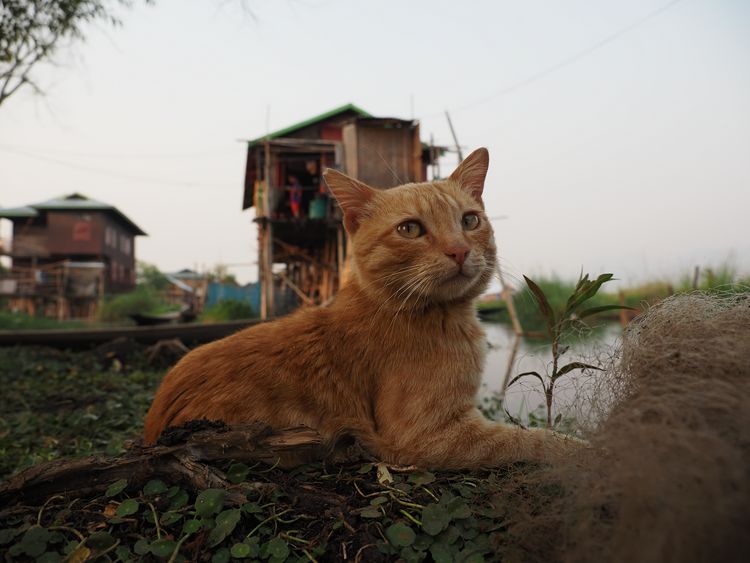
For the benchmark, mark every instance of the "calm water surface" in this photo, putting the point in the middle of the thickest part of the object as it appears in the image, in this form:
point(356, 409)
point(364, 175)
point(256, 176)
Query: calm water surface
point(526, 396)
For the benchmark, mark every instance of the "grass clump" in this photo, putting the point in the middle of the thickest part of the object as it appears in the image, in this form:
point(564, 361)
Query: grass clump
point(10, 320)
point(142, 299)
point(228, 310)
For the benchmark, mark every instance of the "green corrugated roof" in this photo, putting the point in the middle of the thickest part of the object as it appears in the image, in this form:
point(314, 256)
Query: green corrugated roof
point(72, 202)
point(18, 212)
point(311, 121)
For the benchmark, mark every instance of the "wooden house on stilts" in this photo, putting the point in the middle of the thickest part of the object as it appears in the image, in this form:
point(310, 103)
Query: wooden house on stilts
point(301, 239)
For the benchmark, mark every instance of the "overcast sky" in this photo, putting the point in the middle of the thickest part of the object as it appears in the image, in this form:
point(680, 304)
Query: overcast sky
point(619, 132)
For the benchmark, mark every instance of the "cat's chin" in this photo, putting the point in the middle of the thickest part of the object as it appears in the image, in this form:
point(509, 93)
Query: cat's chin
point(459, 286)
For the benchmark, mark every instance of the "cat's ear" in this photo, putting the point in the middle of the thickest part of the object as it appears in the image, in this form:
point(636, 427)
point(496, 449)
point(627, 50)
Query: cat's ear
point(352, 195)
point(471, 173)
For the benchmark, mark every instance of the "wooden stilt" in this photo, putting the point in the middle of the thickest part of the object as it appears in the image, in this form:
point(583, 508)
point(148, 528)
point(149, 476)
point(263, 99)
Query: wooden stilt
point(507, 296)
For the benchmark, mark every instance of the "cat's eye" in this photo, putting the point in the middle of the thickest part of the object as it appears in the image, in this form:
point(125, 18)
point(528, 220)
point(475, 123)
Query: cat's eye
point(470, 221)
point(410, 229)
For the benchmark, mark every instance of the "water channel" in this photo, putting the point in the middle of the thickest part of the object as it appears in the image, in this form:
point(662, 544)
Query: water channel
point(526, 395)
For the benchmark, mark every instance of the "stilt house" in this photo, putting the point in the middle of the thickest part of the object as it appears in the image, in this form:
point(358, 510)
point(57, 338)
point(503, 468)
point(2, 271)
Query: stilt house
point(65, 254)
point(301, 239)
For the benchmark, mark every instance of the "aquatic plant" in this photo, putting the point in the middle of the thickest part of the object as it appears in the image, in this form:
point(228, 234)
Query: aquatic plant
point(558, 325)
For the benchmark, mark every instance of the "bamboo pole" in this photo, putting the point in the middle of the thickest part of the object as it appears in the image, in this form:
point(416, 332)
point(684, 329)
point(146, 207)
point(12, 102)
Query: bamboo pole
point(507, 296)
point(267, 288)
point(295, 288)
point(455, 138)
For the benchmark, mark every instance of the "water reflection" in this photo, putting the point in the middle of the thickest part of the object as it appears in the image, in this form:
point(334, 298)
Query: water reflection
point(526, 396)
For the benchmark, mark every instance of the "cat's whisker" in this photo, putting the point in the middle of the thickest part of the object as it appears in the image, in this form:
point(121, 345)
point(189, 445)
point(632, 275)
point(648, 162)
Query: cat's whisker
point(413, 283)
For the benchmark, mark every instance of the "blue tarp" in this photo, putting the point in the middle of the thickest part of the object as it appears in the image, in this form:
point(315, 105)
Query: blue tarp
point(249, 293)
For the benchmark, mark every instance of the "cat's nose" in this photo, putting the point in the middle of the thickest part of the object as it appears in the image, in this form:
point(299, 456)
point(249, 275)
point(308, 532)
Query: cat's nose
point(458, 254)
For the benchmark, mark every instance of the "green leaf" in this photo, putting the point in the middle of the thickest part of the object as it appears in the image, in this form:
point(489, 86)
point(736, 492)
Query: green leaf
point(571, 366)
point(191, 526)
point(422, 478)
point(224, 525)
point(252, 508)
point(209, 502)
point(228, 519)
point(127, 507)
point(410, 556)
point(163, 547)
point(435, 519)
point(154, 487)
point(242, 550)
point(7, 535)
point(277, 547)
point(544, 307)
point(422, 542)
point(378, 501)
point(370, 512)
point(365, 468)
point(179, 500)
point(441, 553)
point(49, 557)
point(527, 373)
point(237, 472)
point(142, 547)
point(400, 535)
point(100, 540)
point(169, 518)
point(582, 281)
point(586, 291)
point(34, 541)
point(221, 556)
point(116, 488)
point(458, 509)
point(123, 553)
point(449, 536)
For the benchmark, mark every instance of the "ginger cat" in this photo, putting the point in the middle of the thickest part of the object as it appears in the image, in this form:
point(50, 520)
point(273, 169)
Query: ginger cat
point(396, 359)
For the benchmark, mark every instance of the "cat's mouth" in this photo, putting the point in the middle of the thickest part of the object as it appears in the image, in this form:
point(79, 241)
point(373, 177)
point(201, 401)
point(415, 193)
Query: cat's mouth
point(462, 274)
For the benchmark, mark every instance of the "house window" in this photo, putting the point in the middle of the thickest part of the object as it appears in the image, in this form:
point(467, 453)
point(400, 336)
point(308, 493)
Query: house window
point(125, 244)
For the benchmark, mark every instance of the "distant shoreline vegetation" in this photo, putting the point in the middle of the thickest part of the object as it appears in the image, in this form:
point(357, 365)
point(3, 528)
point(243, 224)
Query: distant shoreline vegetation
point(722, 278)
point(146, 299)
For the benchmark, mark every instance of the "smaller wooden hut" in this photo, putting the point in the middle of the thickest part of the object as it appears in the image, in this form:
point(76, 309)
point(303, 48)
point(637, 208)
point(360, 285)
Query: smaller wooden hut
point(301, 239)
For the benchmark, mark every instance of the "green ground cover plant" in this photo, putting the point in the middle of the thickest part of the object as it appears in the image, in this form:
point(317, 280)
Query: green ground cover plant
point(61, 404)
point(360, 512)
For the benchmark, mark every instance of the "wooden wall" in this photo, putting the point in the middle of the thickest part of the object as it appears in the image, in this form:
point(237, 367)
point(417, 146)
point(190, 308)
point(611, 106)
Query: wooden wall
point(79, 235)
point(383, 153)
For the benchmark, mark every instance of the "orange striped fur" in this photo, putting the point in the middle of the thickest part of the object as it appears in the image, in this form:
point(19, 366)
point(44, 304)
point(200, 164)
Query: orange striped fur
point(397, 358)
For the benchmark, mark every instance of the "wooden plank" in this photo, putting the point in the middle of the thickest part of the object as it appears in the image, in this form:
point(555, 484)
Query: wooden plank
point(416, 162)
point(295, 288)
